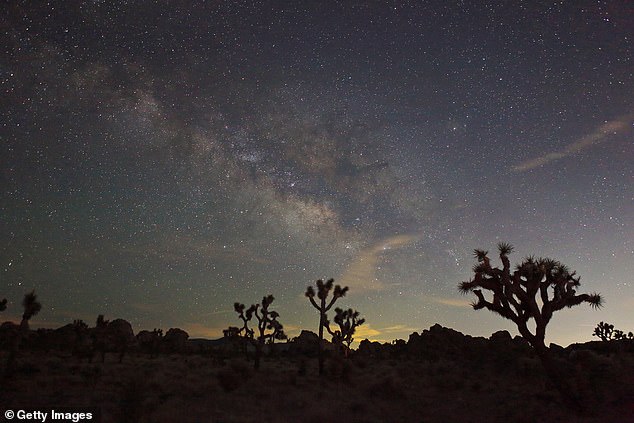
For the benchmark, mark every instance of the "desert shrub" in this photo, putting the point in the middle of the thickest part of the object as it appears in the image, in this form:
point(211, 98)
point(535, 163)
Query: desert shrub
point(386, 387)
point(357, 407)
point(55, 365)
point(361, 363)
point(241, 368)
point(28, 369)
point(229, 381)
point(131, 401)
point(347, 371)
point(302, 367)
point(234, 376)
point(596, 375)
point(335, 367)
point(448, 381)
point(91, 374)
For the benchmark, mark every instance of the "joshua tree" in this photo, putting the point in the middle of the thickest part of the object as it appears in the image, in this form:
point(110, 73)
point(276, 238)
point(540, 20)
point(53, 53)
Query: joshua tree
point(606, 332)
point(267, 321)
point(3, 305)
point(348, 321)
point(323, 289)
point(31, 308)
point(534, 290)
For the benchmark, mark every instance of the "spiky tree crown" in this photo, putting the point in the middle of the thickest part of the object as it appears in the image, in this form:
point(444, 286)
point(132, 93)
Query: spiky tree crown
point(101, 322)
point(310, 292)
point(348, 321)
point(267, 320)
point(79, 324)
point(31, 305)
point(480, 255)
point(323, 289)
point(514, 293)
point(604, 331)
point(266, 301)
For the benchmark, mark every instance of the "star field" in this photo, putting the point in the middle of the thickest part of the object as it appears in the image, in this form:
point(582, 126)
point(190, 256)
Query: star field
point(160, 163)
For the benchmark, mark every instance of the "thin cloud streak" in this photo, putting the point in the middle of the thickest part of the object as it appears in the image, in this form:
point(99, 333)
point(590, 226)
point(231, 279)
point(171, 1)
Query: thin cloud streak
point(599, 135)
point(452, 302)
point(361, 273)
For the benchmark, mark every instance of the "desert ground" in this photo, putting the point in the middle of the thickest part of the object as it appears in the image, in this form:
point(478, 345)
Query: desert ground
point(487, 384)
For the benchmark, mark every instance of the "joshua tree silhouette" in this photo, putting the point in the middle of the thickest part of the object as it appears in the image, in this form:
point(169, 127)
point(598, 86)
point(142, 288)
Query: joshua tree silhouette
point(606, 332)
point(515, 297)
point(31, 308)
point(323, 289)
point(267, 321)
point(3, 305)
point(348, 321)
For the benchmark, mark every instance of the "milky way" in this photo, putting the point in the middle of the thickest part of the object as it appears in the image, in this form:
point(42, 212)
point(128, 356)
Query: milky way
point(160, 163)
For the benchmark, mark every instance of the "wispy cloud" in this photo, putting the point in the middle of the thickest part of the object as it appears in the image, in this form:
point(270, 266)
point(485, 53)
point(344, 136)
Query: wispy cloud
point(453, 302)
point(366, 331)
point(218, 312)
point(361, 272)
point(599, 135)
point(398, 329)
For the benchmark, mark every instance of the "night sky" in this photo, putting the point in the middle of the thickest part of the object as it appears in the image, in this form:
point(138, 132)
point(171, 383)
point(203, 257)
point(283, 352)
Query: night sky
point(160, 163)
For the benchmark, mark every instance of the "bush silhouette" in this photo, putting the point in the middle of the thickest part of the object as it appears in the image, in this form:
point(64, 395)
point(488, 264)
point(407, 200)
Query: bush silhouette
point(113, 335)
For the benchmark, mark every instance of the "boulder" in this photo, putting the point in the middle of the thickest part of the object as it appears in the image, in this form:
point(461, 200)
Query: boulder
point(175, 340)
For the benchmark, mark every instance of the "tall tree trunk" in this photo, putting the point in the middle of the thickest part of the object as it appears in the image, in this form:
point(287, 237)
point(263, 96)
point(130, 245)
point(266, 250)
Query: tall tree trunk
point(258, 353)
point(321, 340)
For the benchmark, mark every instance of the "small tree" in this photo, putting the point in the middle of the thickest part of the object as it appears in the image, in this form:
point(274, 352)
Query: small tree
point(3, 305)
point(348, 321)
point(267, 321)
point(100, 336)
point(323, 289)
point(31, 308)
point(606, 332)
point(535, 290)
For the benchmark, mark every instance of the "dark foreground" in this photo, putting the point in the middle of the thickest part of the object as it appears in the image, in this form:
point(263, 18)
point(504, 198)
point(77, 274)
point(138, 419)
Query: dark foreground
point(199, 388)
